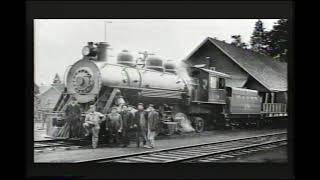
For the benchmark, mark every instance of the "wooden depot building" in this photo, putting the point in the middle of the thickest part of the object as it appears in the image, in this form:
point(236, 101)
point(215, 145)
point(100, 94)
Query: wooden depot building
point(248, 69)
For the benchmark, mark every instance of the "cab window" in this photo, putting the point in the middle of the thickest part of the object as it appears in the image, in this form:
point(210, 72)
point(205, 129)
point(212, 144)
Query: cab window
point(213, 82)
point(222, 83)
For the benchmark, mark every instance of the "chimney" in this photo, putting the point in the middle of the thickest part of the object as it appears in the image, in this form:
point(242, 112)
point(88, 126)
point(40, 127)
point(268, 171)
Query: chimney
point(208, 58)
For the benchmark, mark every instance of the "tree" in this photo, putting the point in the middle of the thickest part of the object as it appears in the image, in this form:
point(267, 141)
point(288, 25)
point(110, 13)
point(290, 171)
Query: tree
point(56, 79)
point(277, 40)
point(237, 41)
point(258, 38)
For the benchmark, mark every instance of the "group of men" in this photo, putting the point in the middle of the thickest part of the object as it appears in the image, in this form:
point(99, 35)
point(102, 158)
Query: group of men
point(121, 126)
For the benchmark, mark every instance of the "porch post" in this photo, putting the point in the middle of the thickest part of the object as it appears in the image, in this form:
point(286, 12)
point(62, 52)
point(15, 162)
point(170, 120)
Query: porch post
point(266, 98)
point(272, 97)
point(285, 96)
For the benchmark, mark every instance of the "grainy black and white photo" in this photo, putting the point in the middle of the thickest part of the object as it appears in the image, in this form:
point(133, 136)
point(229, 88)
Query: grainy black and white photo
point(160, 90)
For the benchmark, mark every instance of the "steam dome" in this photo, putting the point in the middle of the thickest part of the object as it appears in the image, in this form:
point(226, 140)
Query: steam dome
point(154, 63)
point(125, 58)
point(169, 67)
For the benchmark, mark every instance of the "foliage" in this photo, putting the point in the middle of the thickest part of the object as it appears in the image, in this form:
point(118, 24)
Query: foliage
point(237, 41)
point(258, 38)
point(277, 40)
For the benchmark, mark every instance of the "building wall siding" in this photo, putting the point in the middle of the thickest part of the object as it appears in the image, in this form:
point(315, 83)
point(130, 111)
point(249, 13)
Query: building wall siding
point(253, 84)
point(219, 60)
point(281, 97)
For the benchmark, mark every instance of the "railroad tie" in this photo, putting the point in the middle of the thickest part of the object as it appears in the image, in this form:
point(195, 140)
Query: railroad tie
point(166, 157)
point(226, 155)
point(138, 159)
point(210, 159)
point(188, 152)
point(150, 157)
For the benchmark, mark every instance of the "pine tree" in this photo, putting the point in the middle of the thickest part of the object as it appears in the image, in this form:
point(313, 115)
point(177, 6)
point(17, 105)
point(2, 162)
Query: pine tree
point(277, 40)
point(56, 80)
point(237, 41)
point(258, 38)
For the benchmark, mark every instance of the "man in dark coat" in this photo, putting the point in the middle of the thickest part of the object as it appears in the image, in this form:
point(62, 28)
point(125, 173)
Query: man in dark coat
point(127, 125)
point(140, 125)
point(114, 125)
point(73, 113)
point(153, 125)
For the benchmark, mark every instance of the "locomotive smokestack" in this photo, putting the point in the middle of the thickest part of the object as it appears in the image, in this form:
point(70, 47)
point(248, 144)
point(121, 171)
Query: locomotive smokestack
point(102, 51)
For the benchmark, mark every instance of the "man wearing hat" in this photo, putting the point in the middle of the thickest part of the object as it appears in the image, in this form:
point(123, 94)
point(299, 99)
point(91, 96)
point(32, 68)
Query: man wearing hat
point(153, 125)
point(72, 114)
point(92, 124)
point(114, 125)
point(140, 125)
point(132, 110)
point(127, 118)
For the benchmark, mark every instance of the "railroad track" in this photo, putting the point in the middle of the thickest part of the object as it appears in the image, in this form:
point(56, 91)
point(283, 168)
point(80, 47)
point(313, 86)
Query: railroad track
point(47, 144)
point(205, 152)
point(59, 143)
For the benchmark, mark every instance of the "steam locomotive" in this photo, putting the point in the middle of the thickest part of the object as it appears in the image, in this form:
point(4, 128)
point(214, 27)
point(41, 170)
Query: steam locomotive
point(195, 93)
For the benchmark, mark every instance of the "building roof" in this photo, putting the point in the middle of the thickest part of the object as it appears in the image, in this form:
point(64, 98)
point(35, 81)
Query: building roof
point(270, 73)
point(214, 72)
point(44, 89)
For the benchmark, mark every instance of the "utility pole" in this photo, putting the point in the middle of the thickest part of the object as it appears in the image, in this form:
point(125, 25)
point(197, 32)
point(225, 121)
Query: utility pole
point(105, 30)
point(145, 54)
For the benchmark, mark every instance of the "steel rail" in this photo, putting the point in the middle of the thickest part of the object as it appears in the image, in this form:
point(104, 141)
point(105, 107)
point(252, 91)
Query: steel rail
point(240, 151)
point(226, 151)
point(58, 143)
point(170, 150)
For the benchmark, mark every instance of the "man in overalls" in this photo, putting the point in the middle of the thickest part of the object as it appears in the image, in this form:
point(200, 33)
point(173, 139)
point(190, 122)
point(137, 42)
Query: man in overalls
point(92, 124)
point(114, 125)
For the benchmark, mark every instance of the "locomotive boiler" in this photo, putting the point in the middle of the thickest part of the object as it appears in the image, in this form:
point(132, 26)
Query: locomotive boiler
point(93, 79)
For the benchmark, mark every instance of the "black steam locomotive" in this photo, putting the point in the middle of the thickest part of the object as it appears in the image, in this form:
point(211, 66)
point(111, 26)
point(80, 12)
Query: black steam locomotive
point(195, 93)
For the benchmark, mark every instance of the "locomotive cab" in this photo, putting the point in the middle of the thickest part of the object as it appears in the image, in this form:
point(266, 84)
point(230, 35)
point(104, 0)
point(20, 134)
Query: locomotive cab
point(208, 97)
point(211, 85)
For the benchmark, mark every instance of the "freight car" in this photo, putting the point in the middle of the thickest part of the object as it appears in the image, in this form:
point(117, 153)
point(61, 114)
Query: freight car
point(195, 93)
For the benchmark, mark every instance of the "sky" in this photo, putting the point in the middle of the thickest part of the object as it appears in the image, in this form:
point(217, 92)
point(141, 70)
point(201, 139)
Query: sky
point(58, 42)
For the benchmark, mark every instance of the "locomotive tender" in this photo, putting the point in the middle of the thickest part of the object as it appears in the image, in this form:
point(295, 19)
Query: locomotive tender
point(196, 93)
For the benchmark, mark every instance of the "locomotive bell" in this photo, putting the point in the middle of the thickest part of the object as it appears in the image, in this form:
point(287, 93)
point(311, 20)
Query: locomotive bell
point(125, 58)
point(154, 63)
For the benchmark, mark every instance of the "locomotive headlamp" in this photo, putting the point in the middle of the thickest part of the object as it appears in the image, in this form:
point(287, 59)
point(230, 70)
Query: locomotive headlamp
point(89, 50)
point(85, 51)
